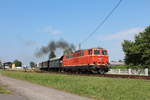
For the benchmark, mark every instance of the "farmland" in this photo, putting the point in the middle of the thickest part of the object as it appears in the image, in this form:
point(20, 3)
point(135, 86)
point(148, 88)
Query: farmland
point(95, 87)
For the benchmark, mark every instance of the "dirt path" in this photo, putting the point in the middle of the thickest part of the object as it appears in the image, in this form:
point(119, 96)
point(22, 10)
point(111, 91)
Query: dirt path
point(37, 92)
point(11, 97)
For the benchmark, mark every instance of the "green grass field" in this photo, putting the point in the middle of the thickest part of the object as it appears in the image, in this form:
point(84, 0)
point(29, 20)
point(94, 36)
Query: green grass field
point(95, 87)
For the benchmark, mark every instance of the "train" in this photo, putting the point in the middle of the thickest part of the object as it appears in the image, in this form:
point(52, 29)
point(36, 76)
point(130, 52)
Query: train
point(94, 60)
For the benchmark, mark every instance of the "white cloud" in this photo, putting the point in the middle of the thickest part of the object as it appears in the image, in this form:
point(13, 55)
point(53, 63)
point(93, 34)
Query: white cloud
point(52, 30)
point(122, 35)
point(113, 41)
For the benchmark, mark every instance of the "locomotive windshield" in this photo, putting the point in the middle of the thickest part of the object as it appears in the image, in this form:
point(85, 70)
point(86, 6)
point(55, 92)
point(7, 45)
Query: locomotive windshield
point(97, 52)
point(104, 52)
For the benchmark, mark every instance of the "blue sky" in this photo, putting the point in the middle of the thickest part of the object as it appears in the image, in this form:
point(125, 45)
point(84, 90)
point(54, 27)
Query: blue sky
point(26, 25)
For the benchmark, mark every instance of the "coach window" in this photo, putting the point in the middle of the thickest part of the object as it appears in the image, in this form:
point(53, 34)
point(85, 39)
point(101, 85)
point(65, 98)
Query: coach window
point(97, 52)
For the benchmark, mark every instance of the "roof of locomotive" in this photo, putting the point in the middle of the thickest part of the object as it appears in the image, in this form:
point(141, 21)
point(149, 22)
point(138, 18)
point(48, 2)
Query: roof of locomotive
point(84, 49)
point(90, 49)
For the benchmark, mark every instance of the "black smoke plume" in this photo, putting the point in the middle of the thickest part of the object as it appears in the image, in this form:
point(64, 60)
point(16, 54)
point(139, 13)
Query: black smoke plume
point(53, 45)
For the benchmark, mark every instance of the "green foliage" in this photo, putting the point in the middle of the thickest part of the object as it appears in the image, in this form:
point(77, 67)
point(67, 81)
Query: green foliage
point(17, 63)
point(32, 64)
point(137, 52)
point(126, 67)
point(52, 55)
point(120, 67)
point(99, 88)
point(1, 65)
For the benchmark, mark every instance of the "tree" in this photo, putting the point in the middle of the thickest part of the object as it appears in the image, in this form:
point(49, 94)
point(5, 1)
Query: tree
point(0, 64)
point(17, 63)
point(52, 55)
point(32, 64)
point(119, 60)
point(138, 52)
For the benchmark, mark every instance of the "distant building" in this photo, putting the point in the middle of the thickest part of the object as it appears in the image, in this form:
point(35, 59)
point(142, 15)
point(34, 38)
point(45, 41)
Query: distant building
point(7, 65)
point(13, 66)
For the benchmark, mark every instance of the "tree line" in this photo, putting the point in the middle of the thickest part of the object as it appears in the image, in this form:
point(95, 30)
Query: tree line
point(19, 64)
point(137, 52)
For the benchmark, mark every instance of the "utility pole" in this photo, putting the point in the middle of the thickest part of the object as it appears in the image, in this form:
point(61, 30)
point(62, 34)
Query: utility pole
point(79, 46)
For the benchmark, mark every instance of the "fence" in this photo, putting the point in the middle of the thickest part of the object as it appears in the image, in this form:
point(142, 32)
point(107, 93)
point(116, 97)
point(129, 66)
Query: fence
point(129, 71)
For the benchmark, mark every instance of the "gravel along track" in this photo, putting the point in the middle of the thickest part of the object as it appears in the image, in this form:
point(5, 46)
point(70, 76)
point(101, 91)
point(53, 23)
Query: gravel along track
point(37, 92)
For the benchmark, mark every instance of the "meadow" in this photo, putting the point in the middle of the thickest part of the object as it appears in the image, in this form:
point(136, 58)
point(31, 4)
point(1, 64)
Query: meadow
point(99, 88)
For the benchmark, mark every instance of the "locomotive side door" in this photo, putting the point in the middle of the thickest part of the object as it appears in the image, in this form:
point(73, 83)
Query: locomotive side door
point(89, 56)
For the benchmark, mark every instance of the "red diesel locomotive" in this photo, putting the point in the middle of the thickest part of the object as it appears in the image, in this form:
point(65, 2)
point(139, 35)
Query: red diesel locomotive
point(95, 60)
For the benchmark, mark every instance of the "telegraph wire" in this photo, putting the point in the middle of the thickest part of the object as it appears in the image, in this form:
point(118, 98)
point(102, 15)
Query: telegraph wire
point(101, 23)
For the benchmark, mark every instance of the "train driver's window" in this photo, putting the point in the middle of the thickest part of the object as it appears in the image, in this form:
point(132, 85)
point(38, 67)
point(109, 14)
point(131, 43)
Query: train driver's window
point(97, 52)
point(104, 52)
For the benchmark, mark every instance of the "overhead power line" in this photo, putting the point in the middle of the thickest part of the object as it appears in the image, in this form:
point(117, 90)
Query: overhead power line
point(101, 23)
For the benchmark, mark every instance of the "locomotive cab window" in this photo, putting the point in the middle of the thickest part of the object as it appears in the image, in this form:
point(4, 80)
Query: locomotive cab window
point(97, 52)
point(104, 52)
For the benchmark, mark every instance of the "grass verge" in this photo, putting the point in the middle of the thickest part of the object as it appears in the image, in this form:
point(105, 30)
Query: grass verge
point(3, 90)
point(95, 87)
